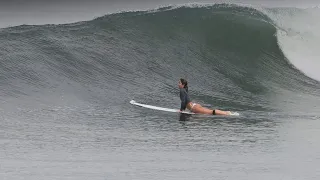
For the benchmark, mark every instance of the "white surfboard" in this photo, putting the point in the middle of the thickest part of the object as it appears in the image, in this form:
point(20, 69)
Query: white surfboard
point(159, 108)
point(168, 109)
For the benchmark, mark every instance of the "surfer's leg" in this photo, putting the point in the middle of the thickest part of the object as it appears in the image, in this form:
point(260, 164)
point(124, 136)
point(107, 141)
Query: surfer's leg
point(201, 110)
point(219, 112)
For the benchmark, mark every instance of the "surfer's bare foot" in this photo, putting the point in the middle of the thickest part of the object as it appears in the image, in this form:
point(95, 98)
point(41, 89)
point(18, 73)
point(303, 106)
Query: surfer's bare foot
point(233, 113)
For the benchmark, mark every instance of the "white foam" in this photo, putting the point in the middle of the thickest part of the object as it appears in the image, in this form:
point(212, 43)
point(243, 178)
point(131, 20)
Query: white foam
point(299, 37)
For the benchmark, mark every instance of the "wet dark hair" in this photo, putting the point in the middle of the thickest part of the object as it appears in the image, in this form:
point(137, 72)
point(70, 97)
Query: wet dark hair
point(185, 83)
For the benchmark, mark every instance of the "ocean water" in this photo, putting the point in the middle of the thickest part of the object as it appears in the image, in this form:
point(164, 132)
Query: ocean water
point(65, 92)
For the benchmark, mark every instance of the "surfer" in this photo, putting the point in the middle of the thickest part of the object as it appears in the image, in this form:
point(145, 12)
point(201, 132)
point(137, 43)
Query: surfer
point(194, 107)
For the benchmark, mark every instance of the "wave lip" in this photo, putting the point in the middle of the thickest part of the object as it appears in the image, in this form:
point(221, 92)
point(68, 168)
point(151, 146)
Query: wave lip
point(298, 36)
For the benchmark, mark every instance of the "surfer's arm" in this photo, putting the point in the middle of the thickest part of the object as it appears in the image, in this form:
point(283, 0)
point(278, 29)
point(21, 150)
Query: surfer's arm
point(183, 106)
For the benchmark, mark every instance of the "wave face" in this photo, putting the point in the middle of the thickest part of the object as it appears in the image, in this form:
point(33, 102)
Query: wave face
point(229, 54)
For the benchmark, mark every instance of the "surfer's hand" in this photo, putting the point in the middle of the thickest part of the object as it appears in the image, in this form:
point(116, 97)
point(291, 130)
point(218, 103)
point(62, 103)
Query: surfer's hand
point(180, 111)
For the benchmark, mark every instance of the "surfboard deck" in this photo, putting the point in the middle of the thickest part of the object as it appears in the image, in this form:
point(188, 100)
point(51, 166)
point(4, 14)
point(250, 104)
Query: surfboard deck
point(159, 108)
